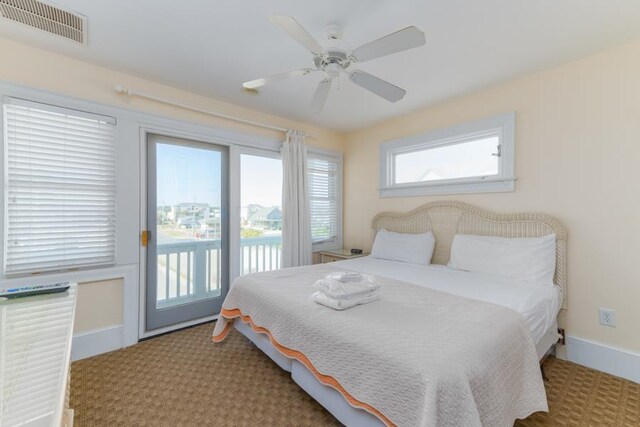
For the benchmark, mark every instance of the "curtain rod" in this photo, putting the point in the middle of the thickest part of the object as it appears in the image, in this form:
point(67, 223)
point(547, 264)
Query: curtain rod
point(130, 92)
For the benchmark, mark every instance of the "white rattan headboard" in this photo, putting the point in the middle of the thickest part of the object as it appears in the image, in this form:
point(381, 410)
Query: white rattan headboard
point(447, 218)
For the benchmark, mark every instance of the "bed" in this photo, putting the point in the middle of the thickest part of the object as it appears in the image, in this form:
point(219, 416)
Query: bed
point(441, 347)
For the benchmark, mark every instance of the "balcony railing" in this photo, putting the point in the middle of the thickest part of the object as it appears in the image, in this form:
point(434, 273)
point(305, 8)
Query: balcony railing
point(190, 271)
point(260, 254)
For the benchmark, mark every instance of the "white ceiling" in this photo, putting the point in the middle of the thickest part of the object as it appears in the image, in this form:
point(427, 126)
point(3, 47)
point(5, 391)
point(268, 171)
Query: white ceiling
point(211, 47)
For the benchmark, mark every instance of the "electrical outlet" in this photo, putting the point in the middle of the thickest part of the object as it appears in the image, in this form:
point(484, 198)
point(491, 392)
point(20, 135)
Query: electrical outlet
point(607, 317)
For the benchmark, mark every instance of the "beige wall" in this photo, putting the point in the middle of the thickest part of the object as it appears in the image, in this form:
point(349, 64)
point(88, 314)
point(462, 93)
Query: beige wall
point(577, 157)
point(99, 305)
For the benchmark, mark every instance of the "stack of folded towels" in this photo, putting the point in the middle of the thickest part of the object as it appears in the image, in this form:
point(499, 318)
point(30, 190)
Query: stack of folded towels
point(343, 289)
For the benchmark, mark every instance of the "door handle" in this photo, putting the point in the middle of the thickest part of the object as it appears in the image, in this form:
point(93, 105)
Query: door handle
point(145, 236)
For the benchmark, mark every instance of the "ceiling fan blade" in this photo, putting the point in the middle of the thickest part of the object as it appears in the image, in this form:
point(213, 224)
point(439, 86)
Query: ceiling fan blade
point(254, 84)
point(297, 31)
point(320, 97)
point(401, 40)
point(378, 86)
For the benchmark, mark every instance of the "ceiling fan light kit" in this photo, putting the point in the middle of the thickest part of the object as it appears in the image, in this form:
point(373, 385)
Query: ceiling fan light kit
point(336, 56)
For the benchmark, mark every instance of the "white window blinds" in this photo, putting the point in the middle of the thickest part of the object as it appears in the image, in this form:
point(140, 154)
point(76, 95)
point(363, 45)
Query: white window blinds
point(324, 198)
point(60, 188)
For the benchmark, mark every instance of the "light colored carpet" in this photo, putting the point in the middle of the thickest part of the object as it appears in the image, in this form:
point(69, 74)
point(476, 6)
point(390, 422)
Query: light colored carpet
point(183, 379)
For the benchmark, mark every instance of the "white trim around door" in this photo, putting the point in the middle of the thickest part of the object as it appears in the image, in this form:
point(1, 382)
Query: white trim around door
point(269, 147)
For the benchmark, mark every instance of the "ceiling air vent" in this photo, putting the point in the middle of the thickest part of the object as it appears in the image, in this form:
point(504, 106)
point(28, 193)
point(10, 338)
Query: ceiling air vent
point(46, 17)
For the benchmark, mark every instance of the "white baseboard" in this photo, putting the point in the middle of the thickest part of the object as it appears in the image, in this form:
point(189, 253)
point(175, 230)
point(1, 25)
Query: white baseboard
point(614, 361)
point(92, 343)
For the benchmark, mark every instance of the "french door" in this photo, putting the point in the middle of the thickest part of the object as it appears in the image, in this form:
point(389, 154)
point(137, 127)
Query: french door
point(187, 270)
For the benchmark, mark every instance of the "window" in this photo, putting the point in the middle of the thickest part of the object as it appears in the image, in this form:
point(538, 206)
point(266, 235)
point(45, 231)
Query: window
point(325, 185)
point(471, 158)
point(260, 211)
point(60, 180)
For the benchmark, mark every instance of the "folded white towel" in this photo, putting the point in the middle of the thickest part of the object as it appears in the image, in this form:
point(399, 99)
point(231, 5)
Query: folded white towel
point(344, 303)
point(348, 276)
point(338, 290)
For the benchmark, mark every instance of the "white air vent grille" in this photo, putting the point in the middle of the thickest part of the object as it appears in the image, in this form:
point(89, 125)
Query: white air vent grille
point(46, 17)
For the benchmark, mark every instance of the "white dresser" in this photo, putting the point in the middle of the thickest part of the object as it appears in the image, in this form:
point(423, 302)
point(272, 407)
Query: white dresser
point(35, 349)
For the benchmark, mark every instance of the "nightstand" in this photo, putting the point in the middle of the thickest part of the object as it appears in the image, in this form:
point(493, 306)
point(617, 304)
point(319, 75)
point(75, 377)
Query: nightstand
point(338, 255)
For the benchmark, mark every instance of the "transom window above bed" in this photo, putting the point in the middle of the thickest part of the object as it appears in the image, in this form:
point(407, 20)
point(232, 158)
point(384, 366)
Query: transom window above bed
point(474, 157)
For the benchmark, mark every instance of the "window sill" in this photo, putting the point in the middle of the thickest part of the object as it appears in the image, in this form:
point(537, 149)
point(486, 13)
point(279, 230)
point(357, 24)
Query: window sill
point(492, 186)
point(78, 276)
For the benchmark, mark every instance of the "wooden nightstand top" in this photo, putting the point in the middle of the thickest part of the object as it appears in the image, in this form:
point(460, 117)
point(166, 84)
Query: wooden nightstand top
point(342, 254)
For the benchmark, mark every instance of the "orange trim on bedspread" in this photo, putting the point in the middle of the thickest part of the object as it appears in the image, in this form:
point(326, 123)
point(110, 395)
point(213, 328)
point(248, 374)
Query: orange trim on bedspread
point(299, 356)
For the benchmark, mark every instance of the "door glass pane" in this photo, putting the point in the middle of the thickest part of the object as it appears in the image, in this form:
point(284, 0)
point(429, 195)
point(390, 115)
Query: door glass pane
point(463, 160)
point(189, 230)
point(261, 213)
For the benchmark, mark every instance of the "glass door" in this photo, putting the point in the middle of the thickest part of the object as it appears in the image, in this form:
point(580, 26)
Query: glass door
point(260, 211)
point(187, 222)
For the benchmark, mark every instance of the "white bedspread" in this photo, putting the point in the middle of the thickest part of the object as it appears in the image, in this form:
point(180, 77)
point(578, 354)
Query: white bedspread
point(538, 304)
point(416, 357)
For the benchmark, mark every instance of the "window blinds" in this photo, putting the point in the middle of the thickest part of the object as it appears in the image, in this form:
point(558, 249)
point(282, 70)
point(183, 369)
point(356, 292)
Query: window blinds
point(60, 188)
point(324, 198)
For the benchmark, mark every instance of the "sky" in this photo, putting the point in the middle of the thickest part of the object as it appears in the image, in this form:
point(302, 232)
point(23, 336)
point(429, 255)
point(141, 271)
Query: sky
point(473, 158)
point(260, 181)
point(188, 174)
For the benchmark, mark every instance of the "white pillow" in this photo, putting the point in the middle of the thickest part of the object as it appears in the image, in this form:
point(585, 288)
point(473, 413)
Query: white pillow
point(529, 259)
point(413, 248)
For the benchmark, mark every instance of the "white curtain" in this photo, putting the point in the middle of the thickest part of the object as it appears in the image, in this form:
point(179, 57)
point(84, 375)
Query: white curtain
point(296, 223)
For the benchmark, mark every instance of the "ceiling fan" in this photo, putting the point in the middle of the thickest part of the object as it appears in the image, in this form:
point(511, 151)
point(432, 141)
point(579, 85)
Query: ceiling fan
point(337, 56)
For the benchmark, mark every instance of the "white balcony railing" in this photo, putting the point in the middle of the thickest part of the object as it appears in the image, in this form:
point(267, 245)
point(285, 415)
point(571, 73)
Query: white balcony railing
point(260, 254)
point(191, 271)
